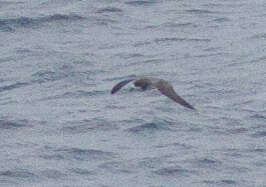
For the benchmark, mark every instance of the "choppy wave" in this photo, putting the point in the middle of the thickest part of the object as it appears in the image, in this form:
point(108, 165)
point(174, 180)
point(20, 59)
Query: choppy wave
point(61, 126)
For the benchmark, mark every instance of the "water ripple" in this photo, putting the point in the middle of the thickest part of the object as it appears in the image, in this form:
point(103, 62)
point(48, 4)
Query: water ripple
point(85, 126)
point(220, 20)
point(140, 3)
point(13, 86)
point(87, 154)
point(7, 124)
point(27, 22)
point(200, 11)
point(77, 154)
point(6, 3)
point(221, 182)
point(208, 163)
point(151, 126)
point(60, 58)
point(261, 36)
point(76, 94)
point(81, 171)
point(47, 76)
point(258, 116)
point(259, 134)
point(228, 181)
point(109, 10)
point(17, 173)
point(116, 167)
point(61, 17)
point(174, 171)
point(175, 39)
point(52, 174)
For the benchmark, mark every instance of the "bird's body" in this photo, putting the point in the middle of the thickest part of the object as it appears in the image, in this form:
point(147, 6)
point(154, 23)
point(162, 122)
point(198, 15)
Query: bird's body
point(163, 86)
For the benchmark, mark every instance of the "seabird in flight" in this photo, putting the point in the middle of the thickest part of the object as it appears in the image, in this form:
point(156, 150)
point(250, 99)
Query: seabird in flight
point(148, 82)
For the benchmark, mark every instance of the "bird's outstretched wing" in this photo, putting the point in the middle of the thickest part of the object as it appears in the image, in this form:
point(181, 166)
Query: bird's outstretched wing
point(167, 90)
point(118, 86)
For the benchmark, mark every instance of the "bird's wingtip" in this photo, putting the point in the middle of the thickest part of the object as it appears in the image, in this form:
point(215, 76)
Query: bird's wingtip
point(118, 86)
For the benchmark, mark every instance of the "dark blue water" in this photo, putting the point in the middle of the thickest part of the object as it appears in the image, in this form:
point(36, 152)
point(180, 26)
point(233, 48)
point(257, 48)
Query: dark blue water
point(60, 126)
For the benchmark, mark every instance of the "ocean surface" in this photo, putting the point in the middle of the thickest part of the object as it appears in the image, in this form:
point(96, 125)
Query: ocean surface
point(60, 126)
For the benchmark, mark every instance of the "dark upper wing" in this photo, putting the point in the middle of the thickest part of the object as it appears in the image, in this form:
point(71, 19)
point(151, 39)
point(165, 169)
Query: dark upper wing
point(118, 86)
point(170, 92)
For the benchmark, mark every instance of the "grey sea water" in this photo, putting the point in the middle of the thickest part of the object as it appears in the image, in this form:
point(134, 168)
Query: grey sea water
point(60, 126)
